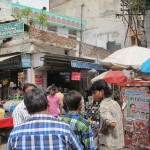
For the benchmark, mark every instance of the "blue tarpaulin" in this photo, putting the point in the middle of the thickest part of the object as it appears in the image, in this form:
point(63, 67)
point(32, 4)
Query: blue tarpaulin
point(79, 64)
point(146, 66)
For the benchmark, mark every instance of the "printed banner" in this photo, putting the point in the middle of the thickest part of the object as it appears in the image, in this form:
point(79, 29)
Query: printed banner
point(138, 107)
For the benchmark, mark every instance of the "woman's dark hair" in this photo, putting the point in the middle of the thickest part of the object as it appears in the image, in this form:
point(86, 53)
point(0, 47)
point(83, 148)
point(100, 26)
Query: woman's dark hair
point(101, 85)
point(36, 100)
point(27, 85)
point(73, 99)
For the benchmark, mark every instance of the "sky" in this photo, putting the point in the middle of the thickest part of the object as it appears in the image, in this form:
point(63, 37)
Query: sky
point(34, 3)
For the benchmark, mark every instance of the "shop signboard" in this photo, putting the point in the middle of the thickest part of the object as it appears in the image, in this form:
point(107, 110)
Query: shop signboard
point(67, 78)
point(11, 29)
point(64, 73)
point(76, 76)
point(26, 62)
point(38, 79)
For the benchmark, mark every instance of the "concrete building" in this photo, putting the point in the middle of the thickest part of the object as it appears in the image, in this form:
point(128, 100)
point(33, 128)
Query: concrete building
point(103, 29)
point(50, 55)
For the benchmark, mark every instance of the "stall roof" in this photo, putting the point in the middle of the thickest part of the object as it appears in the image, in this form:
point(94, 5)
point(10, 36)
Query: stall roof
point(76, 62)
point(79, 64)
point(6, 57)
point(135, 83)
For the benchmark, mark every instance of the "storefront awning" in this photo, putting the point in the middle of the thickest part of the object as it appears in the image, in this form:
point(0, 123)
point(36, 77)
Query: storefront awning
point(79, 64)
point(6, 57)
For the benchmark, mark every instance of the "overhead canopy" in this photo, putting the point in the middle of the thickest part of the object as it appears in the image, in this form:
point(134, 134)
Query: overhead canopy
point(79, 64)
point(130, 57)
point(112, 76)
point(6, 57)
point(135, 83)
point(146, 66)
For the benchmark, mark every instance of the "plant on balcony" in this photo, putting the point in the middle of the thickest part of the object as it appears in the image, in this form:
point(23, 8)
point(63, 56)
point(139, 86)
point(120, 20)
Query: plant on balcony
point(24, 13)
point(139, 6)
point(42, 18)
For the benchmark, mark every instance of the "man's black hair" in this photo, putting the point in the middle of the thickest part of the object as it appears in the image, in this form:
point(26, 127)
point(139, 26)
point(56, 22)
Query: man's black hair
point(26, 85)
point(14, 88)
point(73, 99)
point(101, 85)
point(133, 105)
point(53, 87)
point(36, 100)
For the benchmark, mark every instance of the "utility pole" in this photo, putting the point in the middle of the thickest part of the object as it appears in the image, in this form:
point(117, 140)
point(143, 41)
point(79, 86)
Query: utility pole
point(134, 29)
point(80, 47)
point(49, 4)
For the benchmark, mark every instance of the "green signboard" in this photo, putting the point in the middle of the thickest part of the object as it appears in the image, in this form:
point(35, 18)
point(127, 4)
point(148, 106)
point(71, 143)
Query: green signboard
point(11, 29)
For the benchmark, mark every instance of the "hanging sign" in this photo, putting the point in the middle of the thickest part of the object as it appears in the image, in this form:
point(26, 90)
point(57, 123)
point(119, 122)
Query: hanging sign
point(26, 62)
point(76, 76)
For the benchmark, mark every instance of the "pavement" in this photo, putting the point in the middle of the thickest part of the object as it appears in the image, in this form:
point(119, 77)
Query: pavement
point(3, 144)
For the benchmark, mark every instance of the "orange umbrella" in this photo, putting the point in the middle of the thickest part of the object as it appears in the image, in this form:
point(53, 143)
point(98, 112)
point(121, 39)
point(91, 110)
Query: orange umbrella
point(111, 77)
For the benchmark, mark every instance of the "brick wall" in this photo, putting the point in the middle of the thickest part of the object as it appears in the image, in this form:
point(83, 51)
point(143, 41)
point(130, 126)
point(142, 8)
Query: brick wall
point(52, 38)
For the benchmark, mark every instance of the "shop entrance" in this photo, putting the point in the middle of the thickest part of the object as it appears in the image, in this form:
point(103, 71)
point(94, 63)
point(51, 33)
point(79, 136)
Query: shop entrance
point(62, 79)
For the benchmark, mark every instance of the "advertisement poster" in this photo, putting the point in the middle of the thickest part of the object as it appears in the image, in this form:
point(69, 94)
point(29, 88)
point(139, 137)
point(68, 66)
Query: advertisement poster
point(138, 107)
point(38, 79)
point(76, 76)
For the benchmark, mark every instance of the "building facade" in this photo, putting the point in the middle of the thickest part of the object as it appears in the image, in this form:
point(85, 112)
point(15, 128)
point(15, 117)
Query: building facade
point(48, 56)
point(103, 29)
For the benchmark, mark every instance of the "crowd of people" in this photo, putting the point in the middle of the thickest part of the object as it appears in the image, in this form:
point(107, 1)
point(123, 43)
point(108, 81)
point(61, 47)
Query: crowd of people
point(39, 121)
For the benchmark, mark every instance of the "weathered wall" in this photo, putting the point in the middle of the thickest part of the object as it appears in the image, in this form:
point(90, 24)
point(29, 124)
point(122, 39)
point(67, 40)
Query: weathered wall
point(101, 24)
point(147, 25)
point(41, 41)
point(5, 8)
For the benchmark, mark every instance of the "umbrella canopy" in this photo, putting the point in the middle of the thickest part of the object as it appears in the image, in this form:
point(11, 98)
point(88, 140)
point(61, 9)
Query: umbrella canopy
point(112, 76)
point(146, 66)
point(135, 83)
point(131, 57)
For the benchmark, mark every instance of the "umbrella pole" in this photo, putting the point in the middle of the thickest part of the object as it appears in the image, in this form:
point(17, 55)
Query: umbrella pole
point(112, 85)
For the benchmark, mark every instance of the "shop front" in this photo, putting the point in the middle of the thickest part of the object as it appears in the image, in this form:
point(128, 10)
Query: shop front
point(63, 71)
point(12, 72)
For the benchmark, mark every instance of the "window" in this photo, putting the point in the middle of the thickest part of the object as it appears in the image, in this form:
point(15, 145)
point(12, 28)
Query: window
point(72, 34)
point(66, 52)
point(52, 28)
point(111, 45)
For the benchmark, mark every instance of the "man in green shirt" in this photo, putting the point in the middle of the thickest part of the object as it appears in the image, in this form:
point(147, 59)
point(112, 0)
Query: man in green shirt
point(80, 126)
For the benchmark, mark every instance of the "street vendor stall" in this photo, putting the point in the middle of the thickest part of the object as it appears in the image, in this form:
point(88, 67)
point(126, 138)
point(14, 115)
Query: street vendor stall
point(136, 100)
point(6, 125)
point(6, 122)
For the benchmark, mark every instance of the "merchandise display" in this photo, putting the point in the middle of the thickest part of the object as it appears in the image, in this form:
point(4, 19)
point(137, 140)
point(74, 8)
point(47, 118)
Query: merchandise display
point(92, 115)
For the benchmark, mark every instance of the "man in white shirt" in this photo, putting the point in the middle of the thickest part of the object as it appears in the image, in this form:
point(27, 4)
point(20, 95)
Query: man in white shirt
point(20, 114)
